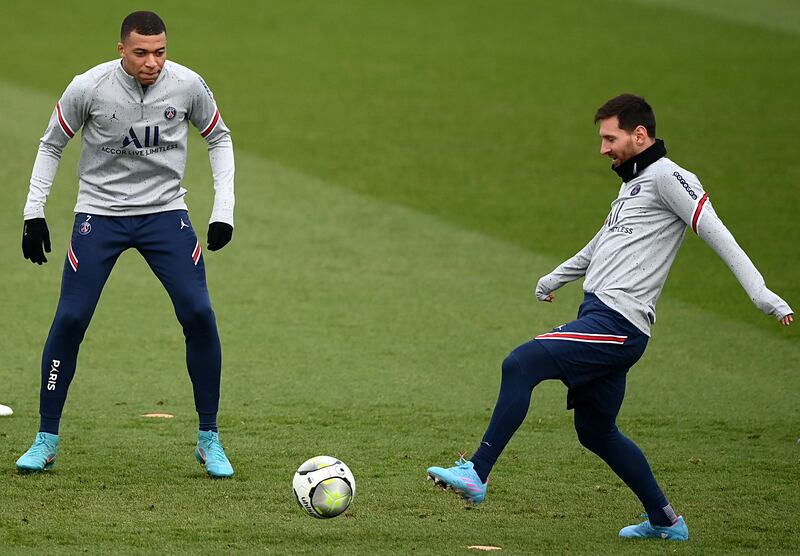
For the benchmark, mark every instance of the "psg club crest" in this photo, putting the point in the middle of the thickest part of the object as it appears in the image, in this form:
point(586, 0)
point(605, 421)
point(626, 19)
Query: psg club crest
point(170, 113)
point(636, 190)
point(84, 228)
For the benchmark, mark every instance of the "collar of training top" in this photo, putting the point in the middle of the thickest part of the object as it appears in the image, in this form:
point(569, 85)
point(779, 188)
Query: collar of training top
point(131, 81)
point(636, 164)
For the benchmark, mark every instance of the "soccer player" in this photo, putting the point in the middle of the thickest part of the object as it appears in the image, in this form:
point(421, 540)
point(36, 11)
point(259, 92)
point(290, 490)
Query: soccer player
point(626, 264)
point(135, 114)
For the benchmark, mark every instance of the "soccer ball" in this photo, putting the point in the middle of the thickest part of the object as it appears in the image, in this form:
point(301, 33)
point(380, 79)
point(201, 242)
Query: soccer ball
point(324, 487)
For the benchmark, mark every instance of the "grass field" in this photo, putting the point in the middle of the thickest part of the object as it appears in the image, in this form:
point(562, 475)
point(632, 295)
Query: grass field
point(405, 173)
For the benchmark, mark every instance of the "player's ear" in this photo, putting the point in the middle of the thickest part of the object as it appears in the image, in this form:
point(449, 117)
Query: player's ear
point(640, 135)
point(121, 49)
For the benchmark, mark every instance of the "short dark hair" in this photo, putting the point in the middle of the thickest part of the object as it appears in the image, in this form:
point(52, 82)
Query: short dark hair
point(632, 112)
point(144, 23)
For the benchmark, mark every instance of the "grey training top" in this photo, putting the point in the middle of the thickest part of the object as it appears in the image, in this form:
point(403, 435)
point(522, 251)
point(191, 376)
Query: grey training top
point(133, 147)
point(627, 261)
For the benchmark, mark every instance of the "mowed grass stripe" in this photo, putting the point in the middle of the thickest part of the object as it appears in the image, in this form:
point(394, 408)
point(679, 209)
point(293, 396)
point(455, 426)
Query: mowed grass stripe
point(773, 15)
point(374, 333)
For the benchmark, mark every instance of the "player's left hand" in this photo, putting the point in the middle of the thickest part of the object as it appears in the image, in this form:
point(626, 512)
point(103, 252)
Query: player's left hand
point(787, 320)
point(35, 236)
point(219, 235)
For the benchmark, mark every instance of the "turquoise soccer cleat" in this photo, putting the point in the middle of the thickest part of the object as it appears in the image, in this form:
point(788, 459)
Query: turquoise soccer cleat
point(675, 532)
point(210, 454)
point(462, 479)
point(41, 456)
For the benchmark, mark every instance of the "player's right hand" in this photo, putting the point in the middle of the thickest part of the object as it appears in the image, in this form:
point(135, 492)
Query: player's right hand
point(542, 292)
point(35, 235)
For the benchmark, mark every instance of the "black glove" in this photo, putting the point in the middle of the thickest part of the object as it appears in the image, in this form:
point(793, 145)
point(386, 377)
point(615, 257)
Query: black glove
point(219, 234)
point(34, 234)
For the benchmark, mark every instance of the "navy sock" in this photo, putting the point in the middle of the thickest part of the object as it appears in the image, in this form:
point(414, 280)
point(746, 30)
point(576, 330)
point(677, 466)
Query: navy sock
point(598, 432)
point(208, 422)
point(523, 369)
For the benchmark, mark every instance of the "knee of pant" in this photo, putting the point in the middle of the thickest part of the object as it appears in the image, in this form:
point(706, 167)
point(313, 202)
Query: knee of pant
point(71, 322)
point(197, 317)
point(593, 428)
point(592, 434)
point(511, 366)
point(587, 435)
point(530, 363)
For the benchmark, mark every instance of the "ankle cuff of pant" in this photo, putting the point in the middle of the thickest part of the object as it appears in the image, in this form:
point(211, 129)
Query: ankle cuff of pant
point(208, 422)
point(49, 425)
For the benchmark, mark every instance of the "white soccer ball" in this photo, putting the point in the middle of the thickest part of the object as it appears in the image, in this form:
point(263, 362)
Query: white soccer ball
point(6, 411)
point(324, 487)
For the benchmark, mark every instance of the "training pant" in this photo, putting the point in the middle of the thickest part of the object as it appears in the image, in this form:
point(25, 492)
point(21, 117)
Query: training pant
point(592, 356)
point(168, 243)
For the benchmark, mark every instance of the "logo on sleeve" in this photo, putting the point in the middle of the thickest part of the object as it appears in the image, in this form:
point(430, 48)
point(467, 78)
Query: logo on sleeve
point(208, 91)
point(685, 185)
point(636, 189)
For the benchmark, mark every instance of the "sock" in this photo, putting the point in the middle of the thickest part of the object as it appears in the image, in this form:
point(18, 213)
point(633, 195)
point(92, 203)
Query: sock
point(663, 517)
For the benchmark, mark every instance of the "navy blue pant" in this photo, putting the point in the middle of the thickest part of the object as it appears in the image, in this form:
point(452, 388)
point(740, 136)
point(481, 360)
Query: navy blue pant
point(170, 246)
point(592, 356)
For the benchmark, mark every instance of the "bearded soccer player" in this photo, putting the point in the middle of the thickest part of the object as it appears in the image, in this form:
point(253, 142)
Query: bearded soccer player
point(625, 265)
point(135, 114)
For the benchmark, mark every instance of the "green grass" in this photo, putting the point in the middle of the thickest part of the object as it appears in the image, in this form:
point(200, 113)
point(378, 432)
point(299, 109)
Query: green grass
point(405, 173)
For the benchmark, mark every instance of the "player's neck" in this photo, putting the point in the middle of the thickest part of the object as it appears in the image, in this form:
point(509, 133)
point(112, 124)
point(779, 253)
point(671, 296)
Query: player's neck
point(132, 76)
point(636, 164)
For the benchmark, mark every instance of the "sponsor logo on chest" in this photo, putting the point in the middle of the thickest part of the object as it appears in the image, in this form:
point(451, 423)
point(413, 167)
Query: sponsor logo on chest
point(131, 137)
point(140, 141)
point(144, 140)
